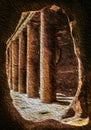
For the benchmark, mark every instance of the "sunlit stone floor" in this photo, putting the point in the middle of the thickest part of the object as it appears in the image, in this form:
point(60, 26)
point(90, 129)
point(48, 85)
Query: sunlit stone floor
point(33, 109)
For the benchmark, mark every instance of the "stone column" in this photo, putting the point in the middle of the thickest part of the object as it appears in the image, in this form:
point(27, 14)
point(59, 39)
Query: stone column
point(10, 67)
point(32, 61)
point(15, 49)
point(7, 62)
point(22, 62)
point(47, 58)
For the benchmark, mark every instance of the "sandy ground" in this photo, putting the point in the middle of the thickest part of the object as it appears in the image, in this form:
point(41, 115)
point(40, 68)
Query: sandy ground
point(35, 110)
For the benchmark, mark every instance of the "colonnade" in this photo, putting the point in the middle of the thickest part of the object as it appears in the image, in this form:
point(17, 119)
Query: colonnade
point(30, 59)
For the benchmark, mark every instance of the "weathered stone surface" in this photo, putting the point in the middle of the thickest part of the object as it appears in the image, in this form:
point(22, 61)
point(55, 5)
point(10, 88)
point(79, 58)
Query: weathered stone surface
point(7, 62)
point(35, 110)
point(33, 60)
point(9, 118)
point(22, 62)
point(47, 58)
point(15, 56)
point(10, 68)
point(67, 65)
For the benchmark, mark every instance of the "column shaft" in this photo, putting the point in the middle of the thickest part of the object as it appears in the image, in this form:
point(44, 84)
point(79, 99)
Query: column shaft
point(22, 62)
point(15, 47)
point(47, 58)
point(10, 67)
point(32, 62)
point(7, 62)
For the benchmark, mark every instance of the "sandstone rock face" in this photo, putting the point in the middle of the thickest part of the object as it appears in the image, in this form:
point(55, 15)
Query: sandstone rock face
point(22, 62)
point(67, 62)
point(10, 67)
point(33, 58)
point(47, 58)
point(81, 35)
point(15, 54)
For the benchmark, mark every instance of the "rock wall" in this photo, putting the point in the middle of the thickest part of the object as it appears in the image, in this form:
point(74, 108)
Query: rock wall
point(66, 60)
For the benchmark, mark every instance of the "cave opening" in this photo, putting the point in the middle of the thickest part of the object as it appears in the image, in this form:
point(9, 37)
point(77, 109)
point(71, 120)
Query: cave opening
point(25, 78)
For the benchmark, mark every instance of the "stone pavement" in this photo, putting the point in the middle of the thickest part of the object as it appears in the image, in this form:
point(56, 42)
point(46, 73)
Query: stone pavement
point(33, 109)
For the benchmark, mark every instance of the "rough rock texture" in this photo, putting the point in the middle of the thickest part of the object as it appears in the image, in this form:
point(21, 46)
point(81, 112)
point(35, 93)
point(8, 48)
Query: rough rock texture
point(22, 62)
point(9, 15)
point(7, 62)
point(47, 57)
point(66, 60)
point(33, 60)
point(15, 57)
point(10, 68)
point(35, 110)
